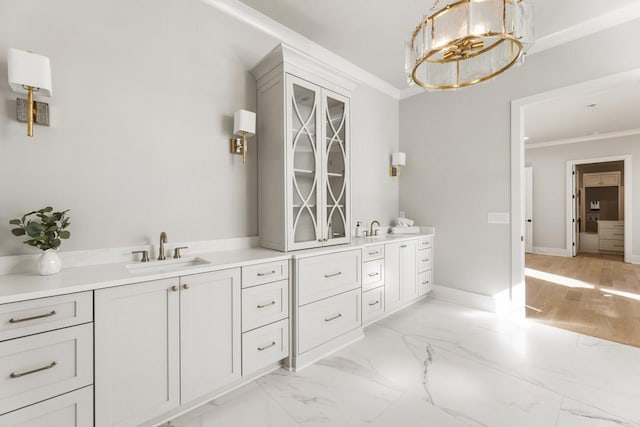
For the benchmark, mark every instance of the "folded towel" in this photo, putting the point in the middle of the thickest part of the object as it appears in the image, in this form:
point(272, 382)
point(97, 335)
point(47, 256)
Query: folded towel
point(404, 222)
point(405, 230)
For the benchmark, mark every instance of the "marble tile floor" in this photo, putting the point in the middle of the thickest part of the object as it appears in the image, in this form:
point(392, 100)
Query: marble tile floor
point(442, 365)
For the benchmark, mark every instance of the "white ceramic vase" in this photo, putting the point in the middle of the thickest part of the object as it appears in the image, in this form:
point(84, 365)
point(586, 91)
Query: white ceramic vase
point(49, 263)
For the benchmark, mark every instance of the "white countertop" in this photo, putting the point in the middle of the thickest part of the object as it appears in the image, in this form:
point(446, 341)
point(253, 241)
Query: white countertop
point(25, 286)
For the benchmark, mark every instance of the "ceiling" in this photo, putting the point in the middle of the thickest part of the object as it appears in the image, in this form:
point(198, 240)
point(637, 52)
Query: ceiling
point(616, 109)
point(371, 34)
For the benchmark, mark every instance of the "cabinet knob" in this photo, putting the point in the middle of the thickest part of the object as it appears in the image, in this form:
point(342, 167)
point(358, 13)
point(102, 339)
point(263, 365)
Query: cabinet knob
point(185, 286)
point(174, 288)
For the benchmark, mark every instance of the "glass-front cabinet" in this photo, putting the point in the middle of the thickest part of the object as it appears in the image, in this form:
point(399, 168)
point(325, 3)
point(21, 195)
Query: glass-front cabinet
point(303, 143)
point(318, 122)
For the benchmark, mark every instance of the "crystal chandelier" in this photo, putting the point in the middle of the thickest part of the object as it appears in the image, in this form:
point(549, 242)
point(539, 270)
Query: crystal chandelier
point(468, 42)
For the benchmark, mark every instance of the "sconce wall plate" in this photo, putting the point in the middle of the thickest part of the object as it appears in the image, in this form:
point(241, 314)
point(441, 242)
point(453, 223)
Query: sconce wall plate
point(40, 111)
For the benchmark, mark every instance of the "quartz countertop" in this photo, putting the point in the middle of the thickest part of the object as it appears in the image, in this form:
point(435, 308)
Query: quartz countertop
point(25, 286)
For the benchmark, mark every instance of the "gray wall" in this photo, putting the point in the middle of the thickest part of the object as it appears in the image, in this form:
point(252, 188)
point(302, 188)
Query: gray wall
point(458, 150)
point(549, 185)
point(144, 93)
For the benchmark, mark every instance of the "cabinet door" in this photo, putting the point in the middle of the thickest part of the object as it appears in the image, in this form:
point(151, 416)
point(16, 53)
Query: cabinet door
point(592, 180)
point(392, 290)
point(303, 190)
point(137, 352)
point(408, 269)
point(335, 168)
point(210, 332)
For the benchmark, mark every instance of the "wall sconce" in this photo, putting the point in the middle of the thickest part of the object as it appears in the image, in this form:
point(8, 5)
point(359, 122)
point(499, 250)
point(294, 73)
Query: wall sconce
point(397, 160)
point(30, 73)
point(244, 125)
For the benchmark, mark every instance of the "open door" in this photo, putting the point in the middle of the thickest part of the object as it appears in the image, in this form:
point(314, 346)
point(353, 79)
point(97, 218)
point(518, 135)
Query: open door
point(576, 211)
point(528, 209)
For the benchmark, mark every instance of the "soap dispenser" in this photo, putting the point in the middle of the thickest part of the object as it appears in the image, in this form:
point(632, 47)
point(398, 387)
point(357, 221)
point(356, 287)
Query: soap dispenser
point(358, 229)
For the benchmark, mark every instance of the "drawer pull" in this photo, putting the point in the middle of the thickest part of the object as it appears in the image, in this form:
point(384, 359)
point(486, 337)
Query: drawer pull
point(267, 346)
point(26, 319)
point(374, 274)
point(374, 303)
point(619, 246)
point(337, 316)
point(266, 305)
point(425, 260)
point(374, 253)
point(22, 374)
point(333, 274)
point(425, 283)
point(269, 273)
point(403, 246)
point(618, 234)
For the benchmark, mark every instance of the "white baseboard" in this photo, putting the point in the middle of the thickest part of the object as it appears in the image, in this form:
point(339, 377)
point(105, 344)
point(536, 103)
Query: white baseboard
point(551, 251)
point(633, 259)
point(466, 298)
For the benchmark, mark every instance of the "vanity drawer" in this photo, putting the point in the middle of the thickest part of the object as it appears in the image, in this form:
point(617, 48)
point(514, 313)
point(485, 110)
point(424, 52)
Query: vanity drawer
point(425, 242)
point(42, 366)
point(18, 319)
point(424, 260)
point(611, 245)
point(327, 319)
point(265, 346)
point(372, 252)
point(611, 234)
point(372, 304)
point(327, 275)
point(372, 274)
point(73, 409)
point(424, 282)
point(264, 304)
point(264, 273)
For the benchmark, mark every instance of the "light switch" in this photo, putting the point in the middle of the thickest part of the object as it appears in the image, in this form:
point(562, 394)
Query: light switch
point(498, 217)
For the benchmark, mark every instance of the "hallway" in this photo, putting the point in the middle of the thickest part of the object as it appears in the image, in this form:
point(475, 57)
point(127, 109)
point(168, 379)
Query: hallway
point(597, 295)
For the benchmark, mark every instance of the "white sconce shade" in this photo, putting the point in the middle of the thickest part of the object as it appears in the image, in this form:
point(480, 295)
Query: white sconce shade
point(28, 69)
point(244, 122)
point(398, 159)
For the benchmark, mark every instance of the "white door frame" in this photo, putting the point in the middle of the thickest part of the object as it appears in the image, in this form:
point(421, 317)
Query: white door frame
point(627, 200)
point(517, 291)
point(528, 216)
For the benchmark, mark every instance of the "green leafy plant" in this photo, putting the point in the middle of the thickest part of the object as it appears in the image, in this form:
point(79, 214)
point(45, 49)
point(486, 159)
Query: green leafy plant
point(46, 231)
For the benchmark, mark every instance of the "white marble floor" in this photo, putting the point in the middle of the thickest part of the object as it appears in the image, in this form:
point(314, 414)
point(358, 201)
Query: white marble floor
point(442, 365)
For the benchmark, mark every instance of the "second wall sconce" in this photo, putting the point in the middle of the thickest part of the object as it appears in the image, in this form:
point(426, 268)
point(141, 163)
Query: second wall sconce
point(29, 73)
point(397, 160)
point(244, 125)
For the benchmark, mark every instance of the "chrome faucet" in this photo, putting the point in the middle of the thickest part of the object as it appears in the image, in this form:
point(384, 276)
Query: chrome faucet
point(163, 240)
point(375, 221)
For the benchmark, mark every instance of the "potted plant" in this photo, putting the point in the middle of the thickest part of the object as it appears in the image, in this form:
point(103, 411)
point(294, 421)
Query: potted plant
point(45, 232)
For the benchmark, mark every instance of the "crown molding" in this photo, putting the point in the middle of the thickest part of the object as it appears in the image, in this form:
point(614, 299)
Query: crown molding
point(588, 138)
point(248, 15)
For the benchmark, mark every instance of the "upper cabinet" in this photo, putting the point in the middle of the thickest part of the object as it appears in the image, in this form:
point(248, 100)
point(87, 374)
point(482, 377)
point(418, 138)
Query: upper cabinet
point(304, 140)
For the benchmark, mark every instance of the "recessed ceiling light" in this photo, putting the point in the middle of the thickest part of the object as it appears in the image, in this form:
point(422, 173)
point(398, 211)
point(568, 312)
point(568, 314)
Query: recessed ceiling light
point(526, 138)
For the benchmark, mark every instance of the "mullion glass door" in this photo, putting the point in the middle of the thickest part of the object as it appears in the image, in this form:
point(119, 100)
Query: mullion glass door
point(336, 168)
point(305, 215)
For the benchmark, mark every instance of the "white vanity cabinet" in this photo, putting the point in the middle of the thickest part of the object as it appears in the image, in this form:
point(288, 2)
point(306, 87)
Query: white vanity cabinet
point(303, 130)
point(163, 343)
point(327, 304)
point(46, 362)
point(400, 268)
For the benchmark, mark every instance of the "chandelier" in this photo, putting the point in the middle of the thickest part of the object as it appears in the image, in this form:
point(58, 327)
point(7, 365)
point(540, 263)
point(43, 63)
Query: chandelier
point(468, 42)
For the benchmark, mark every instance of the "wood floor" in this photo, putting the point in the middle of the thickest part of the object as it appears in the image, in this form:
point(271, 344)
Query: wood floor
point(597, 295)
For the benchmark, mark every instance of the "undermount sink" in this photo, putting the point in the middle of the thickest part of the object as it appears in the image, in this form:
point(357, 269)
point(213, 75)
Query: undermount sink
point(165, 266)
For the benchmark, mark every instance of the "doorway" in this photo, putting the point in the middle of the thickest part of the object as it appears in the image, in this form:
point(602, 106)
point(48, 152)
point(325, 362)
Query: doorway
point(585, 281)
point(597, 198)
